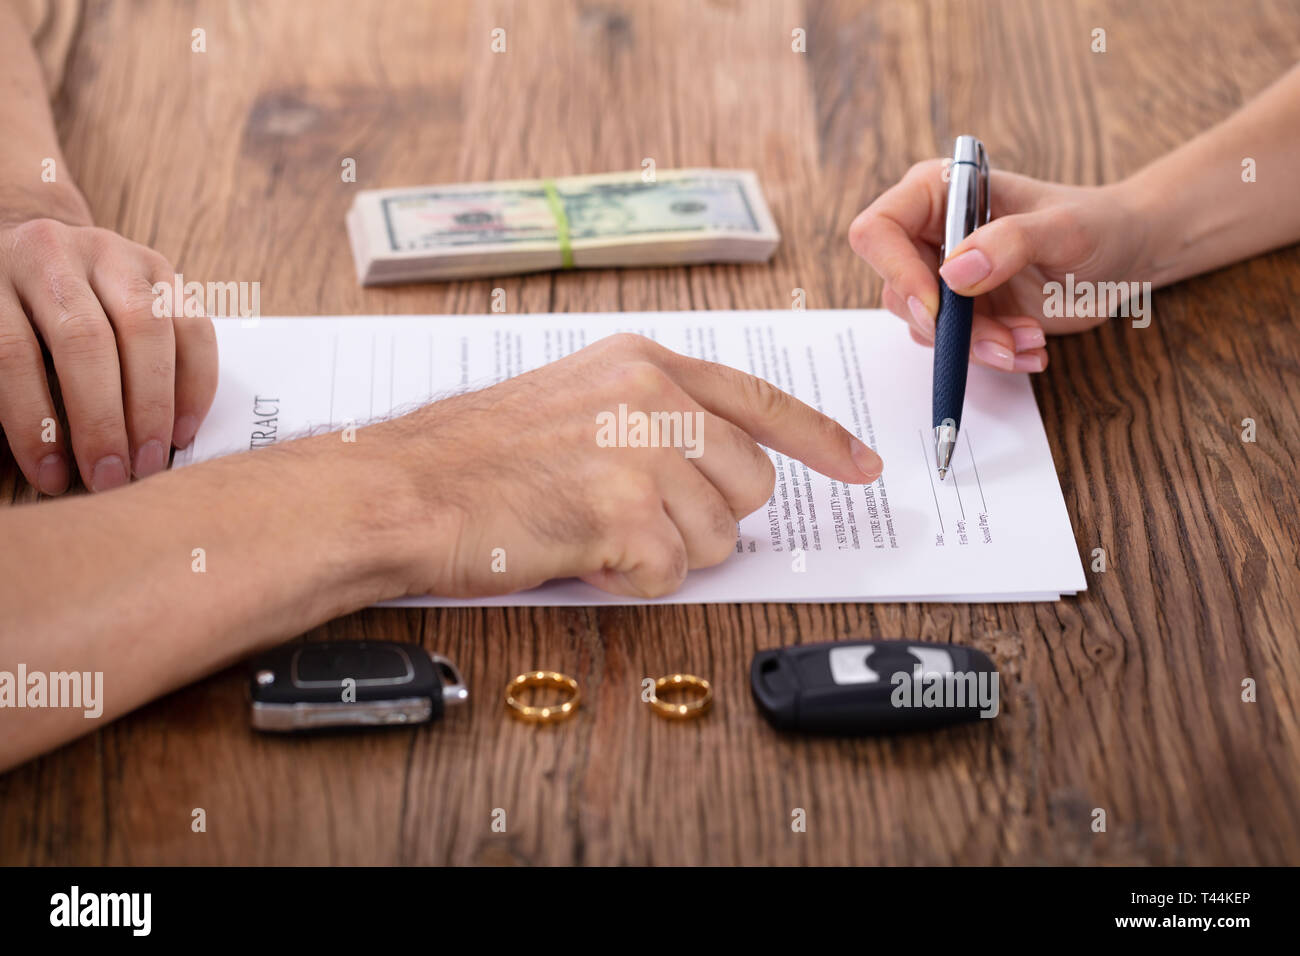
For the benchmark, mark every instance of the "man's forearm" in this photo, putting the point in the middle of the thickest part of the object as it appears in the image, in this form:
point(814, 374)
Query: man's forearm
point(30, 145)
point(1200, 209)
point(162, 582)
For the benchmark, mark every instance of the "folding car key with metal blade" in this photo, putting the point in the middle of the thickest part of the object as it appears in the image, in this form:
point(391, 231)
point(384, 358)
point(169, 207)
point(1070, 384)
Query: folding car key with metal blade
point(332, 684)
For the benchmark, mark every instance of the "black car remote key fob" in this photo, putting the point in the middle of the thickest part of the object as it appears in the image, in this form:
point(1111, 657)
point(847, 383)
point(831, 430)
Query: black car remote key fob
point(873, 687)
point(331, 684)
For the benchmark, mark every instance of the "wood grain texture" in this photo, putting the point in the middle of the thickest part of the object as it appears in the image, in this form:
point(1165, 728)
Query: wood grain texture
point(1127, 698)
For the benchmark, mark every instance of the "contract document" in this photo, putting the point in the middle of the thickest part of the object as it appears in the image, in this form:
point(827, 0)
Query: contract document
point(995, 530)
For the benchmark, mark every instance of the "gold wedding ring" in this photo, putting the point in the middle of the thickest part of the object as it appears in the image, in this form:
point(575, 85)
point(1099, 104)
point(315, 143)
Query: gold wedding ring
point(695, 707)
point(552, 712)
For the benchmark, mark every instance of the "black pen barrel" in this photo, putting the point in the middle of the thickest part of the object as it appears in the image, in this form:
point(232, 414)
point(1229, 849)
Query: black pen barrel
point(952, 330)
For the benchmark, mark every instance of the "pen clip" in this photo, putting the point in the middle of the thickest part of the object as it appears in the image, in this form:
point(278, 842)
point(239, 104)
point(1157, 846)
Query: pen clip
point(968, 192)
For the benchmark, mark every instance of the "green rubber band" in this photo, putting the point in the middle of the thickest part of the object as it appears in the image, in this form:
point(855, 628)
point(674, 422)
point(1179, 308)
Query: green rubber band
point(561, 223)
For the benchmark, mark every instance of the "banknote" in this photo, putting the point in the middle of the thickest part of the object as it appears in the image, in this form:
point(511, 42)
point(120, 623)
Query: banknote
point(619, 219)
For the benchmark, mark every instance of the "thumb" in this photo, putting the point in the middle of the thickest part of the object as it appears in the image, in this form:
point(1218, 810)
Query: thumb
point(995, 252)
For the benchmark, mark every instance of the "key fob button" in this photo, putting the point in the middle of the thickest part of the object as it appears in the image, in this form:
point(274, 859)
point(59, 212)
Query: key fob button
point(932, 660)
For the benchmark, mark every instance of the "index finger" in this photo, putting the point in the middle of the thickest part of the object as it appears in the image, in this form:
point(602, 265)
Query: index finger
point(885, 233)
point(774, 418)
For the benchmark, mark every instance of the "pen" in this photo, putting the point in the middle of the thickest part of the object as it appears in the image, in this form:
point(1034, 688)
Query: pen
point(968, 209)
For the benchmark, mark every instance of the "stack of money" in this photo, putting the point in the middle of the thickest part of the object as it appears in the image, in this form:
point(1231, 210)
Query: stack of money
point(619, 219)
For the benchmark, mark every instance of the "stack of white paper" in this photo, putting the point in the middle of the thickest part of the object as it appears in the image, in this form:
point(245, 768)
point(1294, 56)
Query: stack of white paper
point(995, 530)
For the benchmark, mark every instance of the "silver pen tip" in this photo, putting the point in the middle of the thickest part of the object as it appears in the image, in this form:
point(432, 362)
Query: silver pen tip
point(945, 440)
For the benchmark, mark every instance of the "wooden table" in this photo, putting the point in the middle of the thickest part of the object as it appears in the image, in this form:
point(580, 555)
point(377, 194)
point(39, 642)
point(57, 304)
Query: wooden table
point(1127, 698)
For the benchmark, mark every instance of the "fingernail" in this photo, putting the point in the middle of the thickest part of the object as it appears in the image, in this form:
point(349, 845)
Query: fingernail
point(150, 459)
point(868, 461)
point(1029, 363)
point(999, 356)
point(1028, 338)
point(183, 432)
point(109, 473)
point(920, 313)
point(52, 475)
point(965, 270)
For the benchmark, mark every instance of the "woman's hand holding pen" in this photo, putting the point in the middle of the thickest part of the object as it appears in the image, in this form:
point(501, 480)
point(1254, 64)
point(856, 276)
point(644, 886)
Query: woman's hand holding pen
point(1040, 232)
point(1189, 211)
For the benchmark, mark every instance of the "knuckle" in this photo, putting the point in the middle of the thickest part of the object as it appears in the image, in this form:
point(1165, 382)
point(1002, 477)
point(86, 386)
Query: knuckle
point(763, 399)
point(1012, 241)
point(156, 264)
point(1070, 226)
point(27, 434)
point(42, 236)
point(99, 240)
point(830, 434)
point(895, 272)
point(639, 496)
point(865, 230)
point(664, 568)
point(721, 537)
point(631, 498)
point(81, 330)
point(154, 407)
point(68, 290)
point(627, 343)
point(98, 429)
point(828, 430)
point(198, 327)
point(137, 301)
point(720, 548)
point(641, 379)
point(1069, 218)
point(860, 229)
point(760, 491)
point(18, 351)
